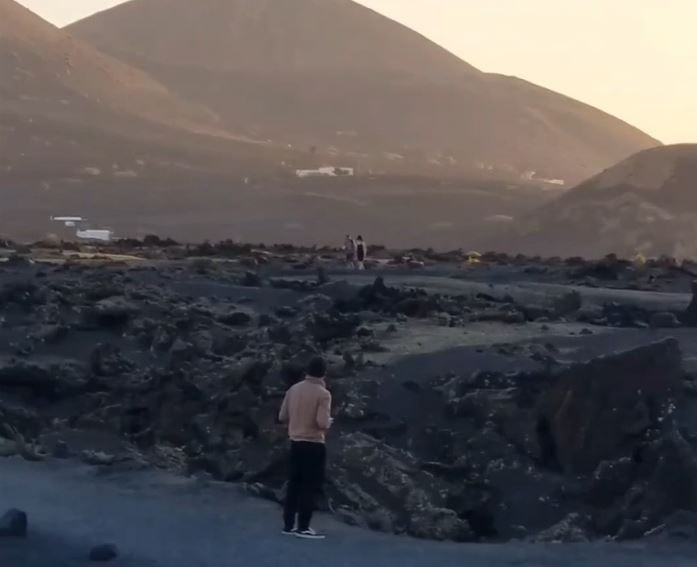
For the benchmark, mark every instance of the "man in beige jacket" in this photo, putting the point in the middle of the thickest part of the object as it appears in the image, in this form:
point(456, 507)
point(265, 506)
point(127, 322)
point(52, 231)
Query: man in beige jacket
point(307, 411)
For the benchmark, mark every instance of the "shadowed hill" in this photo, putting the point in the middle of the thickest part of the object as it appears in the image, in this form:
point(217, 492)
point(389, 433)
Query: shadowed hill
point(334, 75)
point(646, 204)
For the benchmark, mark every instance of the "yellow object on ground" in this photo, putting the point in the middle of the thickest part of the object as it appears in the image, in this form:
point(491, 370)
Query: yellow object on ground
point(639, 261)
point(474, 257)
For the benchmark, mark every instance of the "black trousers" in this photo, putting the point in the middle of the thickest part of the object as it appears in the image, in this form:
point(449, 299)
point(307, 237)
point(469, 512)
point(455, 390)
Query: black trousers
point(305, 479)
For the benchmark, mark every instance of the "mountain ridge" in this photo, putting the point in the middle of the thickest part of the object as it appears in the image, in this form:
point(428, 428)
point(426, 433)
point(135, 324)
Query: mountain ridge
point(336, 75)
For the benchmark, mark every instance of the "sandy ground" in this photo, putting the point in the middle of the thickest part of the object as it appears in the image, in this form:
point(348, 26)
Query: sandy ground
point(158, 520)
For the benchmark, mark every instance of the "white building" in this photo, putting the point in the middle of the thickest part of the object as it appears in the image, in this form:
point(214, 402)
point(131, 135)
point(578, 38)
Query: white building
point(326, 171)
point(69, 221)
point(102, 235)
point(83, 233)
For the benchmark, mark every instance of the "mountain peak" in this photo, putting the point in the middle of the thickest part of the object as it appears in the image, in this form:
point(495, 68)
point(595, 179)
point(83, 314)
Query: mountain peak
point(337, 76)
point(286, 35)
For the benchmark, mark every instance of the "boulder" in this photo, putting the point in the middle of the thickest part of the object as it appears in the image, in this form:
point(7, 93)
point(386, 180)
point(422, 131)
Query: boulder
point(432, 522)
point(61, 450)
point(623, 315)
point(97, 458)
point(251, 279)
point(14, 523)
point(663, 320)
point(114, 311)
point(598, 410)
point(202, 341)
point(369, 480)
point(666, 483)
point(50, 333)
point(575, 528)
point(317, 303)
point(103, 553)
point(46, 380)
point(235, 319)
point(162, 338)
point(567, 304)
point(417, 307)
point(322, 276)
point(180, 352)
point(107, 360)
point(689, 317)
point(610, 482)
point(679, 527)
point(331, 326)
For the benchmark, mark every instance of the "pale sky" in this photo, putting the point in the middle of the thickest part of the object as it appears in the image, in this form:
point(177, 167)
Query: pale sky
point(636, 59)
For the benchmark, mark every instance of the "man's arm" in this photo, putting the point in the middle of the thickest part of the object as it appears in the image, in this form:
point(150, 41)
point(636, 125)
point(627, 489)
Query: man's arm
point(283, 416)
point(324, 411)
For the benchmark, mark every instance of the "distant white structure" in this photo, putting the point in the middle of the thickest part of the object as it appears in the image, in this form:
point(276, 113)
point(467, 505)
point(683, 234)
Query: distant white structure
point(69, 221)
point(326, 171)
point(102, 235)
point(83, 233)
point(532, 176)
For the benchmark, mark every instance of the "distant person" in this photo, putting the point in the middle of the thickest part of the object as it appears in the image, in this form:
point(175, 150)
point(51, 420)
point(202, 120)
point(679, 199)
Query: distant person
point(350, 250)
point(361, 252)
point(306, 409)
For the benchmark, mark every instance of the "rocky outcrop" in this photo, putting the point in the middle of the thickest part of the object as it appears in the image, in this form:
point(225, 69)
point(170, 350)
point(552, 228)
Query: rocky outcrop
point(663, 320)
point(14, 523)
point(382, 487)
point(689, 317)
point(600, 410)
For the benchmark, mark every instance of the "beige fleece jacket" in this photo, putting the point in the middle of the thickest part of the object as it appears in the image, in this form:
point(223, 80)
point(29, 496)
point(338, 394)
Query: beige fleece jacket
point(307, 411)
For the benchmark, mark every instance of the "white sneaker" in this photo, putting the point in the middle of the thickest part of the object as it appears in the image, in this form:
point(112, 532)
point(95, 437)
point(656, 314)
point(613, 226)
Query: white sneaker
point(289, 532)
point(309, 534)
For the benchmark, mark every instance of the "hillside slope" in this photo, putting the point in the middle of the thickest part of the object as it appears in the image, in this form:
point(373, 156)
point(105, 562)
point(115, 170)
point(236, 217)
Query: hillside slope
point(84, 133)
point(44, 70)
point(646, 204)
point(334, 75)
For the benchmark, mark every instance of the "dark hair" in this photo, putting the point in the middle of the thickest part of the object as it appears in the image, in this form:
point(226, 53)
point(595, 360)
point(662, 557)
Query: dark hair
point(360, 238)
point(317, 368)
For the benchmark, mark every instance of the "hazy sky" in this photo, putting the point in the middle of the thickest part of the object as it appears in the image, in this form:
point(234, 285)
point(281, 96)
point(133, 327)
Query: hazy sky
point(636, 59)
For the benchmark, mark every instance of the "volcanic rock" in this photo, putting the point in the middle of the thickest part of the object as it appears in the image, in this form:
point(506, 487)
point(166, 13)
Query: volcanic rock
point(14, 523)
point(689, 317)
point(235, 319)
point(595, 411)
point(567, 304)
point(252, 279)
point(103, 553)
point(663, 320)
point(572, 529)
point(327, 327)
point(370, 478)
point(114, 311)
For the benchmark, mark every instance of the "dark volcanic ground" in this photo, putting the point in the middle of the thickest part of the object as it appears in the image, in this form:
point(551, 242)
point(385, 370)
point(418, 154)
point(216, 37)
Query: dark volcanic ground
point(516, 399)
point(161, 521)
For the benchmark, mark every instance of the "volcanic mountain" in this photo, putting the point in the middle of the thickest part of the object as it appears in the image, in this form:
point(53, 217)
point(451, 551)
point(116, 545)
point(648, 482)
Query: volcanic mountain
point(84, 132)
point(45, 71)
point(646, 204)
point(334, 76)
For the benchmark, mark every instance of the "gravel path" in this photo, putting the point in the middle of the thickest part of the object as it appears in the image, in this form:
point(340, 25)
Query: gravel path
point(162, 521)
point(532, 292)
